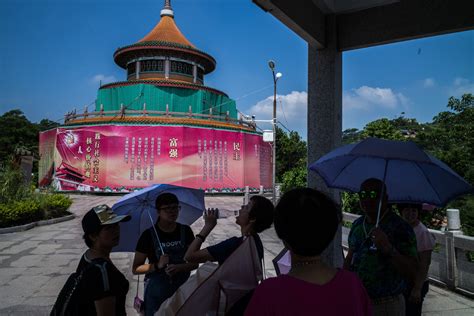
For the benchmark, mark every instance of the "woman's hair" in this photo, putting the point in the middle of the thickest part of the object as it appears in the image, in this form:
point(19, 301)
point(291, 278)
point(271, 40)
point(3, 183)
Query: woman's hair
point(262, 211)
point(306, 220)
point(165, 199)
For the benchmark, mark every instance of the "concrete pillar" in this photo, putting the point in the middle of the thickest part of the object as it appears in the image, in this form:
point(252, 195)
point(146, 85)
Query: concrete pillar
point(325, 116)
point(137, 70)
point(246, 195)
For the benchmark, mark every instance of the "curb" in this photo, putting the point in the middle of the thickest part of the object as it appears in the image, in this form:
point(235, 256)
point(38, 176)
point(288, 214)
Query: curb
point(21, 228)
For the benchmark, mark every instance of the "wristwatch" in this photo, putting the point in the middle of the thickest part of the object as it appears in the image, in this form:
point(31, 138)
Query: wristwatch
point(201, 237)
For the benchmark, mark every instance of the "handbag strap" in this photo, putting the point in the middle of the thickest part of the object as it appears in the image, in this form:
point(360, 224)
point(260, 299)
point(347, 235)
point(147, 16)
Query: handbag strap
point(138, 283)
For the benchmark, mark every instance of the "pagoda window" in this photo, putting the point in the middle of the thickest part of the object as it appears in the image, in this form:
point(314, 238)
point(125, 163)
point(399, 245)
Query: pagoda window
point(131, 68)
point(181, 68)
point(153, 65)
point(200, 74)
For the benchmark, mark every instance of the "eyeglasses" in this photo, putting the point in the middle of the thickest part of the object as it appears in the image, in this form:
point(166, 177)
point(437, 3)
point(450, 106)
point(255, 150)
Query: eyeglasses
point(368, 194)
point(170, 208)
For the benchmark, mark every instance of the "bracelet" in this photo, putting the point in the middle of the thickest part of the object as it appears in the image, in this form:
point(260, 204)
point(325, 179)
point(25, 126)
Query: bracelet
point(199, 236)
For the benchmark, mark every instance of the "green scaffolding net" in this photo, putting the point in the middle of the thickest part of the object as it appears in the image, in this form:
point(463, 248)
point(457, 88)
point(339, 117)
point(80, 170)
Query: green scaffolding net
point(133, 97)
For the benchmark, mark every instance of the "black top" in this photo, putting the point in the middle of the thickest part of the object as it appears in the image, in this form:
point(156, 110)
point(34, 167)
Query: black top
point(221, 251)
point(173, 243)
point(102, 280)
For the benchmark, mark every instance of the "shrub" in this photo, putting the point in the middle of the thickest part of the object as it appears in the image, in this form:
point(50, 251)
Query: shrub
point(54, 205)
point(20, 212)
point(294, 178)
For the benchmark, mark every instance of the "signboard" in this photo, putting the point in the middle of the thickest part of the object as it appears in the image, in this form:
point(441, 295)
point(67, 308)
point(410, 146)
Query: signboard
point(121, 158)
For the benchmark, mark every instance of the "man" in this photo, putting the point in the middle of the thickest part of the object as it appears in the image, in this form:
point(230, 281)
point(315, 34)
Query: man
point(385, 256)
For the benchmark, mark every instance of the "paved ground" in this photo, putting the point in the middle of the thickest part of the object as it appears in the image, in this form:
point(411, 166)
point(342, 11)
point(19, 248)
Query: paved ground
point(35, 264)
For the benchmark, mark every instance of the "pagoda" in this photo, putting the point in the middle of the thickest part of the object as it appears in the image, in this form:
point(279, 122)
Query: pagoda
point(160, 125)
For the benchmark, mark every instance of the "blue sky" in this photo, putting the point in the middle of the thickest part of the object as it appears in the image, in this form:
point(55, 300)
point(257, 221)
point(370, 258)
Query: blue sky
point(55, 52)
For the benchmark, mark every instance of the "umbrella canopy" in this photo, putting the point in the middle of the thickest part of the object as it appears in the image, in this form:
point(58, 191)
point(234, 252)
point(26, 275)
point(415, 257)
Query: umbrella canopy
point(410, 174)
point(141, 206)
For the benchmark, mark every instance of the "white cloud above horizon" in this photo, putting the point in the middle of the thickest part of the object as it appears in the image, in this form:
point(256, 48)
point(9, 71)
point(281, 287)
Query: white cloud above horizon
point(100, 78)
point(367, 98)
point(291, 111)
point(461, 86)
point(428, 83)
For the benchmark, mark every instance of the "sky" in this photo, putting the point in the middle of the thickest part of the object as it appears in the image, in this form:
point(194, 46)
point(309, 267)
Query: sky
point(54, 54)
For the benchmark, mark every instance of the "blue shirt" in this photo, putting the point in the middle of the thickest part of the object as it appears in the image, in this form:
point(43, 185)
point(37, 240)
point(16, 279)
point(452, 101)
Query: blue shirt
point(221, 251)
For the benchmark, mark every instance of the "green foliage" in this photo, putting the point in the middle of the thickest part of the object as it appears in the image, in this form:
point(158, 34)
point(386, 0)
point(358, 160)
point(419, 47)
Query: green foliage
point(19, 212)
point(54, 205)
point(294, 178)
point(12, 187)
point(382, 128)
point(291, 152)
point(350, 203)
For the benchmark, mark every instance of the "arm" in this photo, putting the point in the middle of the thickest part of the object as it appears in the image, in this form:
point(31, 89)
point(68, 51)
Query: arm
point(348, 259)
point(194, 253)
point(139, 266)
point(421, 276)
point(172, 269)
point(105, 306)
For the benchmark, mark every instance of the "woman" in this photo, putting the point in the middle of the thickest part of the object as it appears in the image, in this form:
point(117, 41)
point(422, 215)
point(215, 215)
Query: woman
point(306, 221)
point(253, 219)
point(106, 287)
point(166, 269)
point(425, 242)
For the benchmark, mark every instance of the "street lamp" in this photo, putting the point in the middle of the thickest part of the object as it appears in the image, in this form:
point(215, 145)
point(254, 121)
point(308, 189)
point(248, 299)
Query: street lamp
point(276, 76)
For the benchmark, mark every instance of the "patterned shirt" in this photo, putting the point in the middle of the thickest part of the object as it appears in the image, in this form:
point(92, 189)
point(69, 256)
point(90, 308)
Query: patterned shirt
point(375, 269)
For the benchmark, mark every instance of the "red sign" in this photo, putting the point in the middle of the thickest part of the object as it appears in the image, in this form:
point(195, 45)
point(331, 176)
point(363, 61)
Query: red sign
point(122, 158)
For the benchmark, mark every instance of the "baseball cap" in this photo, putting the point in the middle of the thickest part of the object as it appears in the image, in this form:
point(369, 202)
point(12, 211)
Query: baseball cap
point(99, 216)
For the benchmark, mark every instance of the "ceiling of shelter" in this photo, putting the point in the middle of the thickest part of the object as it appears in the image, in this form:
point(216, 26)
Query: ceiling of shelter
point(344, 6)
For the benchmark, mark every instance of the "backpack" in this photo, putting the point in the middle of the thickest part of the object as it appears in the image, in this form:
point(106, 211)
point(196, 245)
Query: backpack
point(69, 298)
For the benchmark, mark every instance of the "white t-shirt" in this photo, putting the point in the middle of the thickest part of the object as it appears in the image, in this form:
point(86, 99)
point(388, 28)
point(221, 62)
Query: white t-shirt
point(424, 239)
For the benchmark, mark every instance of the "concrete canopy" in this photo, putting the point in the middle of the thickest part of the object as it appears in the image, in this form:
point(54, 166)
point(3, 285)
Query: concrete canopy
point(367, 23)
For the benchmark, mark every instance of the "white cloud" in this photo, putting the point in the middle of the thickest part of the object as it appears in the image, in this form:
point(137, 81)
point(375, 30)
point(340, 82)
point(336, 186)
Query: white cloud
point(365, 98)
point(291, 111)
point(461, 86)
point(428, 83)
point(100, 78)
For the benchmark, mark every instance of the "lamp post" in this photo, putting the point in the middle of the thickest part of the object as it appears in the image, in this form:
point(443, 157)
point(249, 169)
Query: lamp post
point(276, 76)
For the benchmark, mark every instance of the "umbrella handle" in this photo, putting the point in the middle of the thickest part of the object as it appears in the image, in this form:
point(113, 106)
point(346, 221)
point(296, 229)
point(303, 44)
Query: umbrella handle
point(382, 193)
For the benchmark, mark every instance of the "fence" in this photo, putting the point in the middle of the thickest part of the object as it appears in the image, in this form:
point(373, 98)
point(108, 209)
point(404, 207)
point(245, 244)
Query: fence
point(451, 261)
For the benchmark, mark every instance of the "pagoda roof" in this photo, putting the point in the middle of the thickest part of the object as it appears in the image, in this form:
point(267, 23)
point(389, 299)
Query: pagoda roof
point(166, 31)
point(164, 39)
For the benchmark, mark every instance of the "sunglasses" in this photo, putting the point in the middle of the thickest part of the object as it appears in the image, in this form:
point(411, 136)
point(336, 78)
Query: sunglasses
point(170, 208)
point(368, 194)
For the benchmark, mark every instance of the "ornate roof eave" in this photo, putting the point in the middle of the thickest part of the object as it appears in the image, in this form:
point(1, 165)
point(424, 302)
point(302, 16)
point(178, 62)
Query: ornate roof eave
point(121, 54)
point(163, 83)
point(161, 120)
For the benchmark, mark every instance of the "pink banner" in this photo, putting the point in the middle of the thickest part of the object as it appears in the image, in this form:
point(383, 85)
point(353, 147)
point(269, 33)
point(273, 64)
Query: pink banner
point(122, 158)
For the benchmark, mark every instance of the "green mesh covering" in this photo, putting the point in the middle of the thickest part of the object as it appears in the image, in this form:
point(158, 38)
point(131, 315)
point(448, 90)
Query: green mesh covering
point(156, 98)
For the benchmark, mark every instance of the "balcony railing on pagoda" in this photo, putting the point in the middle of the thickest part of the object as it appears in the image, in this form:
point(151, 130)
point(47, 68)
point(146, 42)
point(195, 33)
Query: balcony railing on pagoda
point(126, 115)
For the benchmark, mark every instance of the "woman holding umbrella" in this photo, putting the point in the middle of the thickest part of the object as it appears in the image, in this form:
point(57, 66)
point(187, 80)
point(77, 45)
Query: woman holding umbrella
point(164, 245)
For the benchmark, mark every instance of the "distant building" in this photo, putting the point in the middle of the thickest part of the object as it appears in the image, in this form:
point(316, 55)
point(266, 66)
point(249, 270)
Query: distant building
point(161, 125)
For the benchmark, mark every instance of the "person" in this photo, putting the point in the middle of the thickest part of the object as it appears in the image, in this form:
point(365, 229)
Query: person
point(425, 242)
point(306, 221)
point(383, 255)
point(253, 218)
point(106, 287)
point(164, 245)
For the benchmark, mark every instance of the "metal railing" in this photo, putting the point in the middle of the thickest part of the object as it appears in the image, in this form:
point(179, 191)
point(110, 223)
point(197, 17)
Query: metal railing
point(71, 117)
point(451, 260)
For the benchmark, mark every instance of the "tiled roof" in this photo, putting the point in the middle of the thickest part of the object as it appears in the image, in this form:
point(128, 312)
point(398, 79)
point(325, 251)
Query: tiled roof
point(166, 31)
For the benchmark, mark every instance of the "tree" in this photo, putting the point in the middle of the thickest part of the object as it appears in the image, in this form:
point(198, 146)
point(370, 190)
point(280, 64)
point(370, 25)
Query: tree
point(382, 128)
point(17, 131)
point(351, 135)
point(291, 152)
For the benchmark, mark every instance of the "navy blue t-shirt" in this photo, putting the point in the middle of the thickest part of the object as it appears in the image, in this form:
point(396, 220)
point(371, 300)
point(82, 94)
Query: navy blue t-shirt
point(221, 251)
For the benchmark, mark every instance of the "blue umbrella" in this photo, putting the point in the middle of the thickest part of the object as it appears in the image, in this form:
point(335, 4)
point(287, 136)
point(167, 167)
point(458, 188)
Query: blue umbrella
point(410, 174)
point(141, 206)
